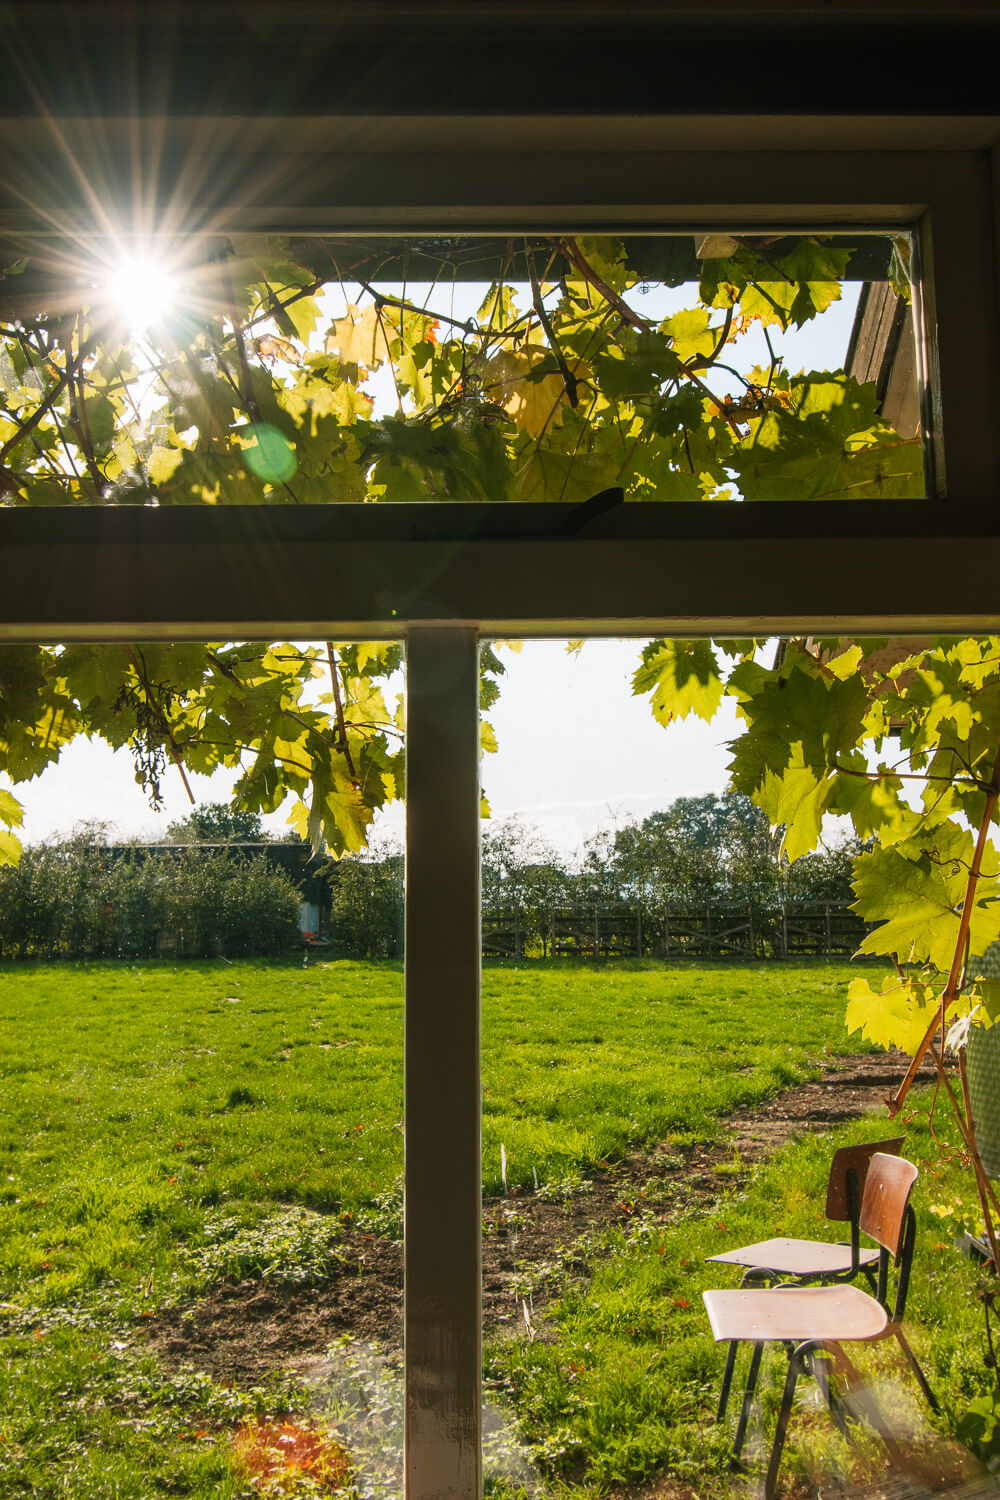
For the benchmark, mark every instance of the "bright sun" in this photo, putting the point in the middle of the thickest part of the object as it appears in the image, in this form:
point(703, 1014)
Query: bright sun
point(142, 290)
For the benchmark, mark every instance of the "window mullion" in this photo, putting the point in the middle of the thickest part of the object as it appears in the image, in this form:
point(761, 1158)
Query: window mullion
point(443, 1259)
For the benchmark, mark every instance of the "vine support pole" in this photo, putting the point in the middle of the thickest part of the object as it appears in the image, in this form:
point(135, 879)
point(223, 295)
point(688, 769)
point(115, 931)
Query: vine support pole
point(951, 991)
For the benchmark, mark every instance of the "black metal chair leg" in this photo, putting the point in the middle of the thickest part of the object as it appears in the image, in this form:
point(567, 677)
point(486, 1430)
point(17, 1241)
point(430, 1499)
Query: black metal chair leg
point(921, 1378)
point(727, 1380)
point(751, 1386)
point(778, 1445)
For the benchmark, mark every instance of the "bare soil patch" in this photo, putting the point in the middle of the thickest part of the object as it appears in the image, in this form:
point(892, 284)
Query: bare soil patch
point(244, 1331)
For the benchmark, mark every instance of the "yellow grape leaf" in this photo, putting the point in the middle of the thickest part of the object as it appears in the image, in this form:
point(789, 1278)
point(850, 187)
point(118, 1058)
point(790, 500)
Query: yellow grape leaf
point(162, 463)
point(358, 338)
point(365, 701)
point(691, 332)
point(487, 737)
point(11, 811)
point(10, 848)
point(915, 890)
point(797, 798)
point(534, 404)
point(898, 1015)
point(844, 664)
point(294, 755)
point(345, 819)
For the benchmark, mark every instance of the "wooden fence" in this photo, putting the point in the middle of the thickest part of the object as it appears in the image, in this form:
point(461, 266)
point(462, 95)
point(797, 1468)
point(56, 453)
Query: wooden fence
point(730, 929)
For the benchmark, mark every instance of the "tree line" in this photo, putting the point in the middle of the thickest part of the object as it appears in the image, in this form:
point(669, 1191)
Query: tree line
point(700, 851)
point(204, 892)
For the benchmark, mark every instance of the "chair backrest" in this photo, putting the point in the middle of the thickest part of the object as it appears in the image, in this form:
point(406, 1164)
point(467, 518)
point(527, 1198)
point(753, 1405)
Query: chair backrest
point(856, 1160)
point(887, 1194)
point(887, 1218)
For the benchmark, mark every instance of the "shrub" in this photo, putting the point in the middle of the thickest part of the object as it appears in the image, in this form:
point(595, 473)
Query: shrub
point(78, 900)
point(366, 908)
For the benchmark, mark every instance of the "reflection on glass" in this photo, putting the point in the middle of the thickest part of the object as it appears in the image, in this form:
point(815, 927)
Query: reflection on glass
point(526, 368)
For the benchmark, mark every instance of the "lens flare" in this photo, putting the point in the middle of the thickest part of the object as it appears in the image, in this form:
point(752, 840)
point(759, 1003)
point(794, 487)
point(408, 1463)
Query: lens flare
point(142, 290)
point(271, 457)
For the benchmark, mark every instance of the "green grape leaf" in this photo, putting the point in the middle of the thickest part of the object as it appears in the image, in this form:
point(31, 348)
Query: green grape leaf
point(636, 364)
point(915, 889)
point(571, 477)
point(681, 677)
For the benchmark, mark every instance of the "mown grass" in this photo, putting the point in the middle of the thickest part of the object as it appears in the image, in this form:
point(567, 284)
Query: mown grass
point(137, 1097)
point(165, 1124)
point(581, 1060)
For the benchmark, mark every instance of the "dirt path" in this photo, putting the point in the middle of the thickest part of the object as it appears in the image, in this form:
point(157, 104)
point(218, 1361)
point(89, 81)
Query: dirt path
point(241, 1331)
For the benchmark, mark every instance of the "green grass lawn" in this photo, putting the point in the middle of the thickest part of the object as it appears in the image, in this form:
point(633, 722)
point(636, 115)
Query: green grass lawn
point(166, 1123)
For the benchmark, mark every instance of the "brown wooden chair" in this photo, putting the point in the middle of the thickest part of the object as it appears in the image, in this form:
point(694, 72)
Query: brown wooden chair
point(815, 1322)
point(769, 1262)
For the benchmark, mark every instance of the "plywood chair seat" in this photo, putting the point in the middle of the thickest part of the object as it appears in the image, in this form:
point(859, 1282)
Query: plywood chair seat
point(802, 1259)
point(793, 1314)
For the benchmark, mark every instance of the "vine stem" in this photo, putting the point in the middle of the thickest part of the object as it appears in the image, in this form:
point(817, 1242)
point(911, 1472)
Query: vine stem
point(52, 396)
point(966, 1125)
point(573, 254)
point(246, 377)
point(951, 989)
point(966, 1121)
point(568, 378)
point(339, 707)
point(174, 752)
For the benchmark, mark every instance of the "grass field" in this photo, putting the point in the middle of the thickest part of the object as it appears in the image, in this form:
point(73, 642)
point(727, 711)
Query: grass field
point(168, 1124)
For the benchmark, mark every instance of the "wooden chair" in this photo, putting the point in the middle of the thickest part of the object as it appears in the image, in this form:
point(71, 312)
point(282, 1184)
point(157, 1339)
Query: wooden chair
point(815, 1322)
point(805, 1261)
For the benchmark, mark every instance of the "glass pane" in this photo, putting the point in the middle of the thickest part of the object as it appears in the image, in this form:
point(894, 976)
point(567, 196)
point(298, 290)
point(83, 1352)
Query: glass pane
point(201, 1048)
point(676, 1040)
point(523, 368)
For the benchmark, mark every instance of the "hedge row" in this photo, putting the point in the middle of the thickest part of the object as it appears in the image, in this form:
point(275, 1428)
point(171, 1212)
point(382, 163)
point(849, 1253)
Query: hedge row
point(67, 901)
